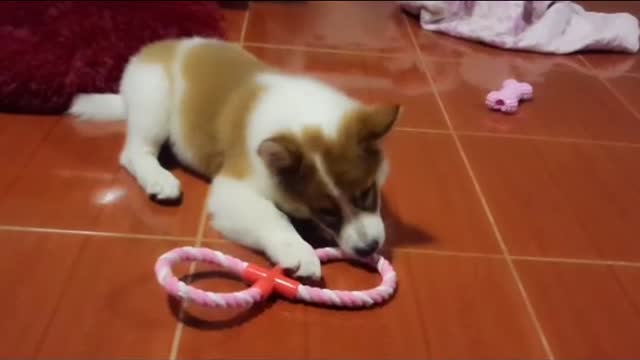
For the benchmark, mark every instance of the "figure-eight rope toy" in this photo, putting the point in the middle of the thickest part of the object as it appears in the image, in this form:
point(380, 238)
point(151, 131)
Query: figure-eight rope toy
point(267, 281)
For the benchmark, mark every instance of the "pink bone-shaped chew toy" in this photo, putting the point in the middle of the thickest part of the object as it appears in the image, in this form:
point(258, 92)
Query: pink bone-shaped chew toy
point(507, 98)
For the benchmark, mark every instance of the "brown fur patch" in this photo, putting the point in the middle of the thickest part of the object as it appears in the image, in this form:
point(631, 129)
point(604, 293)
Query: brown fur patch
point(353, 159)
point(162, 53)
point(219, 92)
point(299, 179)
point(352, 162)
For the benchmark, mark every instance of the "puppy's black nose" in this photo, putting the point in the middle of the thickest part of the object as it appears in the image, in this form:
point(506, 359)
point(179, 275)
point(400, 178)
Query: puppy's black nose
point(368, 249)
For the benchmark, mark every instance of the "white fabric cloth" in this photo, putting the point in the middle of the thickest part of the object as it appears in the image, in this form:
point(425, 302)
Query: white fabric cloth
point(560, 27)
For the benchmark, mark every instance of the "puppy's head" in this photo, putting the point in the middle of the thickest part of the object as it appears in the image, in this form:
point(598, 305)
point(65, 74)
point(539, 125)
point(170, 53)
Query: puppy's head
point(335, 180)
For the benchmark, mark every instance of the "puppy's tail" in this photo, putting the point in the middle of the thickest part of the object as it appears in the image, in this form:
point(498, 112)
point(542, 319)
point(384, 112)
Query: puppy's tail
point(99, 107)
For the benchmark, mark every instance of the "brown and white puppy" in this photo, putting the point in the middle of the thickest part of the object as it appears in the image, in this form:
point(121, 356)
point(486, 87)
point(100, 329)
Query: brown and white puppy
point(274, 144)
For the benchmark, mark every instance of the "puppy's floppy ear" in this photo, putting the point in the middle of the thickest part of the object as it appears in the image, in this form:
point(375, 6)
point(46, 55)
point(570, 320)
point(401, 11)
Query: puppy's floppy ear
point(377, 121)
point(281, 154)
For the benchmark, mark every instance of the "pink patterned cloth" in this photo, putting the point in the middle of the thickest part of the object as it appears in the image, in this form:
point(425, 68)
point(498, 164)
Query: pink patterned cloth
point(559, 27)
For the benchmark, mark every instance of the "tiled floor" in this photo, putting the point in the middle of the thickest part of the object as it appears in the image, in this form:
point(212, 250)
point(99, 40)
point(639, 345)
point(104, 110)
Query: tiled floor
point(513, 236)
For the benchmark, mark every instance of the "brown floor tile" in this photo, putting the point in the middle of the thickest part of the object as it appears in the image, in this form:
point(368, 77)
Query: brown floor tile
point(628, 87)
point(20, 137)
point(294, 330)
point(68, 302)
point(210, 233)
point(392, 331)
point(370, 79)
point(144, 216)
point(371, 26)
point(233, 23)
point(566, 104)
point(586, 311)
point(611, 65)
point(430, 195)
point(632, 7)
point(34, 269)
point(113, 308)
point(471, 308)
point(558, 199)
point(74, 181)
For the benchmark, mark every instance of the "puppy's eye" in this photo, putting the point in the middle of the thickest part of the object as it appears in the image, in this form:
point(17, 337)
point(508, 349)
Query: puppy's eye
point(329, 217)
point(367, 199)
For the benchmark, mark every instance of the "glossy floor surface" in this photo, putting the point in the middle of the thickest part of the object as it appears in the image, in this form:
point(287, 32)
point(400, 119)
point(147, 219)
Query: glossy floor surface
point(513, 236)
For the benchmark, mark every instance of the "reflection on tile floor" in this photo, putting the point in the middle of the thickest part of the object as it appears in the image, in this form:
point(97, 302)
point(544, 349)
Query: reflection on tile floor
point(513, 236)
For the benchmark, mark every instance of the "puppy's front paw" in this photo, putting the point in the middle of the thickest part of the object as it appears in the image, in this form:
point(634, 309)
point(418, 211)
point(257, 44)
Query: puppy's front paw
point(162, 185)
point(298, 257)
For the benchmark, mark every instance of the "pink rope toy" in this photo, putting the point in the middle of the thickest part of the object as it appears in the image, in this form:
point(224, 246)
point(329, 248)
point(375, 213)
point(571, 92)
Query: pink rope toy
point(507, 98)
point(266, 281)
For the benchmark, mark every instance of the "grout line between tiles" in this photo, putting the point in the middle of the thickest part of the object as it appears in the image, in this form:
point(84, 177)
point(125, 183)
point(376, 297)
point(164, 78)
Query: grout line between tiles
point(547, 138)
point(217, 240)
point(29, 159)
point(615, 92)
point(576, 261)
point(418, 309)
point(94, 233)
point(244, 25)
point(177, 337)
point(520, 257)
point(325, 50)
point(432, 131)
point(58, 302)
point(520, 137)
point(484, 202)
point(214, 240)
point(202, 225)
point(564, 68)
point(448, 253)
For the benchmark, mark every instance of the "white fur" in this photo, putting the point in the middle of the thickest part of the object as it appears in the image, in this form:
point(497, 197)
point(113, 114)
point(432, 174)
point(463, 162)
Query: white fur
point(98, 107)
point(366, 226)
point(292, 103)
point(244, 215)
point(324, 176)
point(181, 149)
point(243, 210)
point(363, 228)
point(147, 96)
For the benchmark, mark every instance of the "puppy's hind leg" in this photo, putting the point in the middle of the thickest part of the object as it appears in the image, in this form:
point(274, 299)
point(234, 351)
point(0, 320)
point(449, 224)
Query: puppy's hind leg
point(145, 90)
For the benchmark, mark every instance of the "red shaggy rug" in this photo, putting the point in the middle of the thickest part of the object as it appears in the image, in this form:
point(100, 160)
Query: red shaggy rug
point(52, 50)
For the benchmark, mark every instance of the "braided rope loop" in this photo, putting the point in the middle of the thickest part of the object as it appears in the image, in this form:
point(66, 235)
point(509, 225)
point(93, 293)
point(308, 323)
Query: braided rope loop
point(175, 287)
point(352, 299)
point(286, 287)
